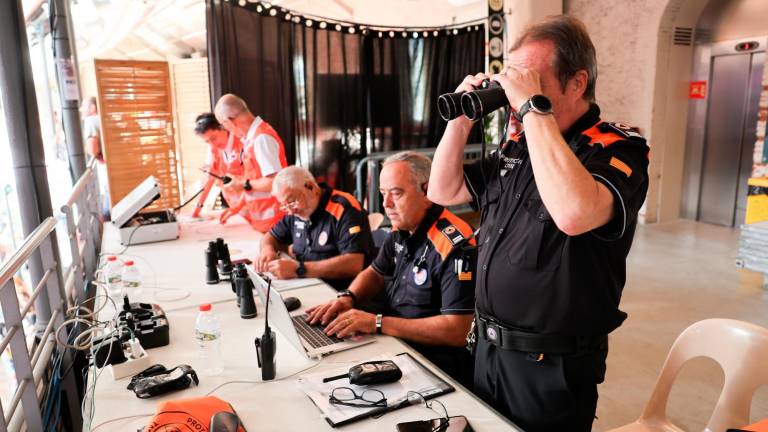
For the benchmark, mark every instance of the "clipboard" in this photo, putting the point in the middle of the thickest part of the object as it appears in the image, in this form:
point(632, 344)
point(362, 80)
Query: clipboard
point(414, 373)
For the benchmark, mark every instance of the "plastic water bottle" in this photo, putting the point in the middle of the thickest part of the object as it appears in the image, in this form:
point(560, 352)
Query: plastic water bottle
point(208, 335)
point(131, 279)
point(113, 273)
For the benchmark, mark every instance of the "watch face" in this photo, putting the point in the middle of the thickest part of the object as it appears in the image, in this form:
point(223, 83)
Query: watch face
point(541, 103)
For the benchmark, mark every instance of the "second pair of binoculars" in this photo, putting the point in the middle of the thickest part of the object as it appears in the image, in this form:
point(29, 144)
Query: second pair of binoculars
point(217, 261)
point(474, 104)
point(243, 287)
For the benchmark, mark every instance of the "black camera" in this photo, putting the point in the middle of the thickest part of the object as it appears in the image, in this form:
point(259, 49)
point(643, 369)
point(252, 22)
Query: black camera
point(474, 104)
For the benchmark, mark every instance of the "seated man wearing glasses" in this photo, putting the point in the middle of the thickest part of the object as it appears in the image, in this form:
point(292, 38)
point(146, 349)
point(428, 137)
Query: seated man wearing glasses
point(327, 229)
point(424, 268)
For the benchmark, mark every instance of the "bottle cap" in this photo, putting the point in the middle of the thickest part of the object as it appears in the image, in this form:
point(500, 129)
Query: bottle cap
point(112, 258)
point(128, 263)
point(205, 307)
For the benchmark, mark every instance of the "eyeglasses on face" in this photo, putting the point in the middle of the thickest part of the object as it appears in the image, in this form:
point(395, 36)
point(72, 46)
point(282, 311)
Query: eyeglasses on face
point(369, 398)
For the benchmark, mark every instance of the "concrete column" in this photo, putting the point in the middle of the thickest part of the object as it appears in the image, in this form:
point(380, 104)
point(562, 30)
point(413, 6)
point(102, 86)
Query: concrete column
point(69, 87)
point(23, 128)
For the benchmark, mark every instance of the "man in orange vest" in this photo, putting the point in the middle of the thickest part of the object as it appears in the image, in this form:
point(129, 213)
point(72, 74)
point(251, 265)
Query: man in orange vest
point(261, 153)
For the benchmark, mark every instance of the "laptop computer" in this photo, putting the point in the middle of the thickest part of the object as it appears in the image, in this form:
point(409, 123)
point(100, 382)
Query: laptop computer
point(307, 339)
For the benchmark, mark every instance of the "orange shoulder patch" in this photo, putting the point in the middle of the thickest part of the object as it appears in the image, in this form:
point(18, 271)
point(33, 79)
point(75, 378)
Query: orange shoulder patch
point(349, 197)
point(334, 209)
point(605, 138)
point(454, 231)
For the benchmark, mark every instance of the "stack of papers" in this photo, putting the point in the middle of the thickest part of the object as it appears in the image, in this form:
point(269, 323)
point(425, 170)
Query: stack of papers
point(416, 377)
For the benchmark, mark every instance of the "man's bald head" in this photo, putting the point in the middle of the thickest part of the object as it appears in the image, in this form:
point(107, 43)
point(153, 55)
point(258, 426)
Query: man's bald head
point(232, 112)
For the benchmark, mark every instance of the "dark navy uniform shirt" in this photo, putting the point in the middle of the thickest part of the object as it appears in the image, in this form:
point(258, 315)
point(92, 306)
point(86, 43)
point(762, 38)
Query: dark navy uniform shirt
point(430, 272)
point(338, 226)
point(533, 276)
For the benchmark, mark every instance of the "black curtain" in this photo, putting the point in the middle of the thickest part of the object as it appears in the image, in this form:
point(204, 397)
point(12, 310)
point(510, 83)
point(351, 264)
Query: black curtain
point(337, 92)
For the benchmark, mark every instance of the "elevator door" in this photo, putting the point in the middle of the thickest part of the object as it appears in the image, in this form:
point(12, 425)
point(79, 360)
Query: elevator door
point(730, 137)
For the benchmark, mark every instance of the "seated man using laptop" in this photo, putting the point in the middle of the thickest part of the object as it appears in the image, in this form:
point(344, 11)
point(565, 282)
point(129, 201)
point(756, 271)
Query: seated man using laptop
point(425, 268)
point(327, 229)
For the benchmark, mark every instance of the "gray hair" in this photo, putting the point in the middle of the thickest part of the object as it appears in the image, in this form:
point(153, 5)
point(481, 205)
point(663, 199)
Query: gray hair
point(292, 177)
point(229, 106)
point(419, 164)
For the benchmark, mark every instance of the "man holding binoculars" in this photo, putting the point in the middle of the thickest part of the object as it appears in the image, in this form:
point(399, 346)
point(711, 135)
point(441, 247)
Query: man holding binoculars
point(559, 206)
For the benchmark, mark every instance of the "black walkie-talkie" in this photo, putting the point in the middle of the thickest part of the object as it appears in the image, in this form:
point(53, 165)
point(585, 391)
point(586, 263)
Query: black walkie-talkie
point(266, 345)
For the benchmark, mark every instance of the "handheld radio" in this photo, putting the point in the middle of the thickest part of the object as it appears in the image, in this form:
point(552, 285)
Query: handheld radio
point(267, 345)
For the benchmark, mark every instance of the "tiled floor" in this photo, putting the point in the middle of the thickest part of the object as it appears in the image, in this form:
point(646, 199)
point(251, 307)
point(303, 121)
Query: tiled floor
point(678, 273)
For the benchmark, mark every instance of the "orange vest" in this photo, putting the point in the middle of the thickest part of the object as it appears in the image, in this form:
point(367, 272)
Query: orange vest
point(262, 207)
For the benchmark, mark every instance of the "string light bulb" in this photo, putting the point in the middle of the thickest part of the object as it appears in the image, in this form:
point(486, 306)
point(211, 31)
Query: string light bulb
point(323, 24)
point(273, 12)
point(308, 23)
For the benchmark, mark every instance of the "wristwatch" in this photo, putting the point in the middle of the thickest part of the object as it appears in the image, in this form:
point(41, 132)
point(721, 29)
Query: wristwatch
point(379, 318)
point(247, 185)
point(347, 293)
point(301, 271)
point(539, 104)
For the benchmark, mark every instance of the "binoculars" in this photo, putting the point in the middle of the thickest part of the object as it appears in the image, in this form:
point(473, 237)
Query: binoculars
point(217, 261)
point(474, 104)
point(243, 287)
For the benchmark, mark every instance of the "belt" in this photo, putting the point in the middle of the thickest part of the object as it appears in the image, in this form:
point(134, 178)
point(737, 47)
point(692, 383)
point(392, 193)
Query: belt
point(512, 339)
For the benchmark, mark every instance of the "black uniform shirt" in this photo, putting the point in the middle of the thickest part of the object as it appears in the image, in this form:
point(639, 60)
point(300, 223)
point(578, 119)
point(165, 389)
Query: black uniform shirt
point(338, 226)
point(533, 276)
point(432, 271)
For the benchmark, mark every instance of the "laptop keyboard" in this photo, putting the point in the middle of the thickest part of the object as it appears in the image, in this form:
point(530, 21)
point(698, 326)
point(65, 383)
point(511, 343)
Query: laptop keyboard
point(313, 334)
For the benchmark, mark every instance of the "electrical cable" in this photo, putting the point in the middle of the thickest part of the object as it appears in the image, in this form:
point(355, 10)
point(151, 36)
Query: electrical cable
point(316, 364)
point(179, 207)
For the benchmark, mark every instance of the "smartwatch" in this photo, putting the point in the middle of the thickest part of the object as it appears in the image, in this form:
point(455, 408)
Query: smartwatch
point(301, 271)
point(247, 186)
point(379, 319)
point(347, 293)
point(539, 104)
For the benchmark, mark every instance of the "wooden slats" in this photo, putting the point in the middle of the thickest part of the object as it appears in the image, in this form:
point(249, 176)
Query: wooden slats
point(138, 133)
point(191, 98)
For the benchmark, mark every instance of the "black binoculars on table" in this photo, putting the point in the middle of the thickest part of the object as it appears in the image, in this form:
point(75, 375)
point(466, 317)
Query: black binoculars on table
point(219, 267)
point(474, 104)
point(218, 263)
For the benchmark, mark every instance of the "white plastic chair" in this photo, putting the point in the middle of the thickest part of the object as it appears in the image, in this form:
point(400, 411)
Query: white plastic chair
point(739, 347)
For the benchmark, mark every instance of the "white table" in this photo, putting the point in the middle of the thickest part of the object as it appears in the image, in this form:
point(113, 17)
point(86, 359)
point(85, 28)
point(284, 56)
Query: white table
point(277, 405)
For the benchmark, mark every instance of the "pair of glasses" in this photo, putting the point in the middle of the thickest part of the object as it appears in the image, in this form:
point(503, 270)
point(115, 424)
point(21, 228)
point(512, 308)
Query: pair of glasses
point(369, 398)
point(290, 206)
point(417, 398)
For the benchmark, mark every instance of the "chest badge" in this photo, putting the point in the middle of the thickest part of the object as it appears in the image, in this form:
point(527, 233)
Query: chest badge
point(491, 333)
point(322, 239)
point(419, 276)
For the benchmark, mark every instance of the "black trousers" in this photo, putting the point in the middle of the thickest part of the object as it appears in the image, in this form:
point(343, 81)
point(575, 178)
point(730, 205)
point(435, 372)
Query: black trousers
point(558, 393)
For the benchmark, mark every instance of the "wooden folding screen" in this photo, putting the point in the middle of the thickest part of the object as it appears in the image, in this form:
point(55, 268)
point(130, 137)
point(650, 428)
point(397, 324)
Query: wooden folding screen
point(189, 79)
point(137, 127)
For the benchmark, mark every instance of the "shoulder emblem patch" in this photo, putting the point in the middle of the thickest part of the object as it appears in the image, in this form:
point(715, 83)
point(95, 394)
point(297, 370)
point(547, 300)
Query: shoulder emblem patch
point(621, 166)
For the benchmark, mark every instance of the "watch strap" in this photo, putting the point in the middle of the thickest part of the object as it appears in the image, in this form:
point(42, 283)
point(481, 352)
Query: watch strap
point(348, 293)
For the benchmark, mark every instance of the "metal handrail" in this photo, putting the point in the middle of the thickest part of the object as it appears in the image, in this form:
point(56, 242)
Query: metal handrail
point(28, 247)
point(16, 399)
point(82, 182)
point(36, 292)
point(360, 189)
point(46, 333)
point(8, 336)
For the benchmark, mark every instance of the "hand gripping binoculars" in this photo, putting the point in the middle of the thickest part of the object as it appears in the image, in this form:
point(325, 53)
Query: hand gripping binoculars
point(474, 104)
